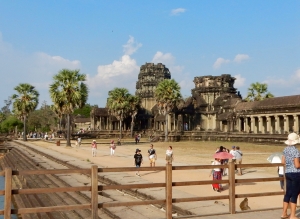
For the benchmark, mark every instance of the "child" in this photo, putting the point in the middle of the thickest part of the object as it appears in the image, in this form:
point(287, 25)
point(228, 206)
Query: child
point(94, 148)
point(138, 160)
point(112, 147)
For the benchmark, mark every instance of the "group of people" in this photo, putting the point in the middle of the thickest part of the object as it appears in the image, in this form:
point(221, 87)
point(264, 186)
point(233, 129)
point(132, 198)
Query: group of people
point(218, 172)
point(138, 157)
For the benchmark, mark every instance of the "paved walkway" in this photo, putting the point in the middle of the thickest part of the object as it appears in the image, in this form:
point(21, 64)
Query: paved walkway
point(72, 155)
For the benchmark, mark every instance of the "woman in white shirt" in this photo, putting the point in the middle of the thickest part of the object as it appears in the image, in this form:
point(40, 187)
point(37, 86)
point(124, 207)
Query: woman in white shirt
point(217, 175)
point(169, 155)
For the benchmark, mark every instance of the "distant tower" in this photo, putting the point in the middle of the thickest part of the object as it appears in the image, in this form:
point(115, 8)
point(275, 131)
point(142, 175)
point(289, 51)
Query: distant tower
point(149, 77)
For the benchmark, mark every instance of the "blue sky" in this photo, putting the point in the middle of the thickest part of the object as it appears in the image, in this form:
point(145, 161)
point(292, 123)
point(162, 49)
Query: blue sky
point(253, 40)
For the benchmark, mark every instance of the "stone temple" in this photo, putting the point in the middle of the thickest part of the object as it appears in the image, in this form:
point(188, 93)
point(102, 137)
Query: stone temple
point(214, 111)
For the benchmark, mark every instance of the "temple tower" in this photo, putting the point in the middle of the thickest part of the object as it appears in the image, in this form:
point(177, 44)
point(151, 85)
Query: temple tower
point(210, 95)
point(149, 77)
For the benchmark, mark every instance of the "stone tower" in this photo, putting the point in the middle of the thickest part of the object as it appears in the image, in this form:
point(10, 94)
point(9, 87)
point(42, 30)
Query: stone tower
point(149, 77)
point(210, 94)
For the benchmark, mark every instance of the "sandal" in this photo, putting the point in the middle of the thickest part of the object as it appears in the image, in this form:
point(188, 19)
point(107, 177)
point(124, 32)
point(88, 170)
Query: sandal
point(285, 217)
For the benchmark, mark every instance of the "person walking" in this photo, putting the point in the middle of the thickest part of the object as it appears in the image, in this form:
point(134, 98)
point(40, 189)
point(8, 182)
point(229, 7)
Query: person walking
point(233, 153)
point(152, 156)
point(169, 155)
point(112, 148)
point(292, 174)
point(217, 175)
point(238, 157)
point(138, 160)
point(94, 148)
point(78, 141)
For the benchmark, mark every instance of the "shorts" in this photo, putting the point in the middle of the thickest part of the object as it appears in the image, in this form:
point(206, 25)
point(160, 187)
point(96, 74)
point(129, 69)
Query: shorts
point(152, 160)
point(169, 159)
point(138, 164)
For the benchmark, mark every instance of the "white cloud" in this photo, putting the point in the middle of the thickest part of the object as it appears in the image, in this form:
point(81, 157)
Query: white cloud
point(34, 68)
point(240, 81)
point(241, 57)
point(120, 73)
point(177, 11)
point(126, 65)
point(297, 74)
point(131, 46)
point(166, 59)
point(219, 62)
point(52, 64)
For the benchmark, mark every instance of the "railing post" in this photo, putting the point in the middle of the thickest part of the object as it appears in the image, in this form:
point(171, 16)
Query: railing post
point(7, 201)
point(94, 192)
point(231, 168)
point(169, 191)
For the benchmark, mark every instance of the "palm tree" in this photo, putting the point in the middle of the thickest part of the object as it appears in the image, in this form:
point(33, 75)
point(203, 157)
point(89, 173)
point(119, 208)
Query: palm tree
point(134, 104)
point(68, 92)
point(257, 92)
point(118, 104)
point(167, 94)
point(24, 102)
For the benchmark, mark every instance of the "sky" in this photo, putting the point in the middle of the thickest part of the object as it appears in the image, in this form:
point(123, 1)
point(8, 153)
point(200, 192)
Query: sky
point(252, 40)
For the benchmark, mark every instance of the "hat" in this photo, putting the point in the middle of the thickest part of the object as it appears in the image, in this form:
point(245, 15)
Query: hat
point(233, 146)
point(293, 139)
point(94, 140)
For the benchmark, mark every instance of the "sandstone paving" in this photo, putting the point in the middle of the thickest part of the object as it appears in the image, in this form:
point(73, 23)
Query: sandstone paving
point(124, 157)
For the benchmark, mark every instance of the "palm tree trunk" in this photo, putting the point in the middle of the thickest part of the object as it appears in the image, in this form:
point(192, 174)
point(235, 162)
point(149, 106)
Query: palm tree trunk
point(24, 131)
point(166, 128)
point(120, 129)
point(68, 130)
point(131, 127)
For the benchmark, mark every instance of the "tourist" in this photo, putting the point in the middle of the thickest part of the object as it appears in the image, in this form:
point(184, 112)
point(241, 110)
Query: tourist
point(217, 175)
point(152, 156)
point(94, 148)
point(138, 160)
point(233, 153)
point(119, 141)
point(169, 155)
point(238, 157)
point(112, 148)
point(79, 141)
point(292, 174)
point(136, 139)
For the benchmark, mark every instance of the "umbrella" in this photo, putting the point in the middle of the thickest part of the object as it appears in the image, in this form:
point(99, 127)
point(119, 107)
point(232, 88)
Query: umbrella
point(223, 155)
point(275, 157)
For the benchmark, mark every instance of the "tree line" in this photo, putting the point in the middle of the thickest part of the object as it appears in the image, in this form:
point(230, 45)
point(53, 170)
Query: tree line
point(69, 94)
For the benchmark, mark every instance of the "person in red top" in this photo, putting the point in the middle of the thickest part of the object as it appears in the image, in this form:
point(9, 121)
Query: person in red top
point(94, 148)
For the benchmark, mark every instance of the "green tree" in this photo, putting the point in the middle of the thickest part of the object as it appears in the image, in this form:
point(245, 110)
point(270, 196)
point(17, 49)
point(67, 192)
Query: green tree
point(25, 102)
point(118, 104)
point(42, 119)
point(10, 123)
point(69, 92)
point(134, 104)
point(258, 91)
point(84, 111)
point(167, 95)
